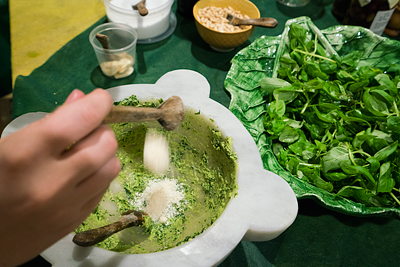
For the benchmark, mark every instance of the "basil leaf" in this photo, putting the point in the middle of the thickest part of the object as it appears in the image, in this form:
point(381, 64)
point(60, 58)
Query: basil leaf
point(313, 70)
point(393, 125)
point(286, 94)
point(386, 181)
point(358, 193)
point(277, 109)
point(364, 172)
point(345, 77)
point(386, 151)
point(292, 165)
point(298, 35)
point(374, 164)
point(331, 160)
point(323, 116)
point(328, 67)
point(374, 104)
point(268, 85)
point(289, 135)
point(315, 178)
point(336, 176)
point(303, 148)
point(368, 73)
point(350, 60)
point(382, 96)
point(274, 127)
point(287, 61)
point(384, 79)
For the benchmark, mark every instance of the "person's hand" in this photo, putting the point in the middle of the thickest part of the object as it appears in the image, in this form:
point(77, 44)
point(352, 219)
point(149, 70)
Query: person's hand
point(53, 173)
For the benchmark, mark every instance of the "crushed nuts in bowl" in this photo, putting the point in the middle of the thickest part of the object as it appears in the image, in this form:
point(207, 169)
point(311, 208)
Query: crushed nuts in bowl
point(213, 27)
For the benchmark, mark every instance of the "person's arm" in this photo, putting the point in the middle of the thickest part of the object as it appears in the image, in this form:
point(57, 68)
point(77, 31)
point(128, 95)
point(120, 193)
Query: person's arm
point(53, 173)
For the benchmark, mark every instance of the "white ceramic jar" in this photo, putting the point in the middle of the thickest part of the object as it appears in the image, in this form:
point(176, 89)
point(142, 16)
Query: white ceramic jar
point(154, 24)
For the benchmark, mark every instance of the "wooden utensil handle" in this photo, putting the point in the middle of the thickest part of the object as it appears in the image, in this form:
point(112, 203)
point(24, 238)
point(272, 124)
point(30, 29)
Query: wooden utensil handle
point(142, 9)
point(261, 22)
point(132, 114)
point(94, 236)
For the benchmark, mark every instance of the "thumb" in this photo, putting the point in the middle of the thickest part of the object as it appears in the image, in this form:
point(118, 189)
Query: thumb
point(73, 96)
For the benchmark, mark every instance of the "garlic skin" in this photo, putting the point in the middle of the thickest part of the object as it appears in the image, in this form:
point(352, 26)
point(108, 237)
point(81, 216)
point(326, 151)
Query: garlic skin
point(118, 68)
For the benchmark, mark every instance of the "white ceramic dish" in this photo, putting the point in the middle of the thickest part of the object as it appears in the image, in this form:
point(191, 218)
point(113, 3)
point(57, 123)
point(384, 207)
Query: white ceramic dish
point(154, 24)
point(165, 35)
point(264, 207)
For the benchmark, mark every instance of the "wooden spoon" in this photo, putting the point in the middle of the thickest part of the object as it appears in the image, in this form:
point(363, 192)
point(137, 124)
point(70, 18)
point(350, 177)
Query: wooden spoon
point(169, 114)
point(104, 40)
point(141, 7)
point(105, 43)
point(91, 237)
point(260, 22)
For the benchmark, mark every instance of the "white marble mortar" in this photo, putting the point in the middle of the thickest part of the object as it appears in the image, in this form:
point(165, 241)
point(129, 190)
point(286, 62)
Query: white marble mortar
point(264, 207)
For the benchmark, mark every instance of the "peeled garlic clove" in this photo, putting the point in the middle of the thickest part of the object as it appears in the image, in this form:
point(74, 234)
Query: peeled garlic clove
point(124, 64)
point(127, 56)
point(110, 68)
point(156, 153)
point(124, 74)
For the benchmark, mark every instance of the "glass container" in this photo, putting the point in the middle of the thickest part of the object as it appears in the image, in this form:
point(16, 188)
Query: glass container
point(371, 14)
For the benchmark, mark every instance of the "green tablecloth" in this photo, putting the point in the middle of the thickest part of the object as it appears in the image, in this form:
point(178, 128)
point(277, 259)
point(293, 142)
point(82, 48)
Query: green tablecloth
point(318, 237)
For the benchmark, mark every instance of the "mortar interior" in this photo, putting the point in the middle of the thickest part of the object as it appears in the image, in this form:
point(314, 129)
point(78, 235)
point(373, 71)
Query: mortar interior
point(202, 163)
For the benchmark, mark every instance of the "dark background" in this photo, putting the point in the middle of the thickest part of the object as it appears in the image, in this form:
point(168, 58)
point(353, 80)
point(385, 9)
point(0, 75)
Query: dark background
point(5, 49)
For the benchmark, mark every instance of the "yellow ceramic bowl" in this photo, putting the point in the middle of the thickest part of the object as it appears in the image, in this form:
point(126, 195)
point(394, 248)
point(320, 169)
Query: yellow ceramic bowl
point(225, 41)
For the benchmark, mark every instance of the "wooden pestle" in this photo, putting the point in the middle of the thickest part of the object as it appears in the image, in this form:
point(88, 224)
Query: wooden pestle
point(91, 237)
point(141, 7)
point(259, 22)
point(169, 114)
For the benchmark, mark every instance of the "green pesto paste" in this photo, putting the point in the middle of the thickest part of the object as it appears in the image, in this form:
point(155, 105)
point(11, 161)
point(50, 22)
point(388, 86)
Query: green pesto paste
point(202, 163)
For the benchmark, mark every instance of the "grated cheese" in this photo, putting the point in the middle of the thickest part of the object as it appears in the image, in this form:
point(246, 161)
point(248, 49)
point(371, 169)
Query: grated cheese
point(161, 199)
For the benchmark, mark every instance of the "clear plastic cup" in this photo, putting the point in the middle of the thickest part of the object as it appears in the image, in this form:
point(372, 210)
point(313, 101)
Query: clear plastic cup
point(119, 60)
point(294, 3)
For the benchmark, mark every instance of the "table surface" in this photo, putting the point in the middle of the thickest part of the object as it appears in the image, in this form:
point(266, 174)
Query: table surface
point(318, 237)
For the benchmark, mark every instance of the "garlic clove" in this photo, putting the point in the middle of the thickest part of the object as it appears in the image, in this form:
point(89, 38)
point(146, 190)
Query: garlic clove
point(125, 63)
point(110, 68)
point(124, 74)
point(127, 56)
point(156, 152)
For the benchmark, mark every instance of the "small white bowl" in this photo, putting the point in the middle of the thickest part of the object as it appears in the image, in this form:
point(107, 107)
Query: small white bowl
point(154, 24)
point(264, 207)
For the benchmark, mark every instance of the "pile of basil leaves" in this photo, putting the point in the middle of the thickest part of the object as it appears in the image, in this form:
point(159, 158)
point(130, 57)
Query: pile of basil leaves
point(330, 121)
